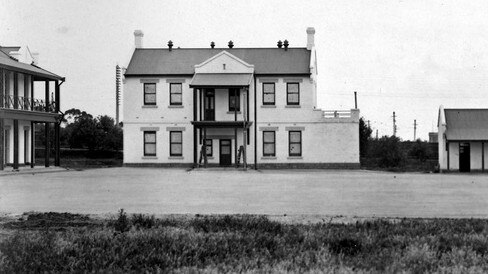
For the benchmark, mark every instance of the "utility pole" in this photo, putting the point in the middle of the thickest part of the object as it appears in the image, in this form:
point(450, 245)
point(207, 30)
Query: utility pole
point(368, 124)
point(117, 92)
point(394, 124)
point(414, 130)
point(376, 134)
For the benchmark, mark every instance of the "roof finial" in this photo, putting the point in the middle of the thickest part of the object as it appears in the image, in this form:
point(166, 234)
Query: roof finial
point(280, 44)
point(212, 44)
point(285, 43)
point(231, 44)
point(170, 45)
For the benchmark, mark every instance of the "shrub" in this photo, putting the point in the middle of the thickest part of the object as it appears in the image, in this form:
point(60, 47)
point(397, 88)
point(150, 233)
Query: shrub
point(346, 246)
point(122, 223)
point(143, 221)
point(420, 151)
point(388, 151)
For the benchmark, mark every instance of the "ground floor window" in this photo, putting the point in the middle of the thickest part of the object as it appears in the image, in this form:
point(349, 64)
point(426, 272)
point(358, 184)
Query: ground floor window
point(149, 143)
point(269, 143)
point(209, 147)
point(295, 143)
point(175, 143)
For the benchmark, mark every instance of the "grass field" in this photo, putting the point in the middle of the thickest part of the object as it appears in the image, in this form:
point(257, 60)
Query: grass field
point(57, 242)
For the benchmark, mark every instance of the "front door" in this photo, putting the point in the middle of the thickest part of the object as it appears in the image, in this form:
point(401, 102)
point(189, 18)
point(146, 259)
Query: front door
point(209, 105)
point(464, 157)
point(225, 153)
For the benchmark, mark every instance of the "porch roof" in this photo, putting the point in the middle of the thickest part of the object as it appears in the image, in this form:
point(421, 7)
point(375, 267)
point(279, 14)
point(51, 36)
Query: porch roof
point(221, 124)
point(205, 80)
point(9, 63)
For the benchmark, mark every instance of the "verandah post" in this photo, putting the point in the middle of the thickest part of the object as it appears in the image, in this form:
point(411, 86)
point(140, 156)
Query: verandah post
point(57, 125)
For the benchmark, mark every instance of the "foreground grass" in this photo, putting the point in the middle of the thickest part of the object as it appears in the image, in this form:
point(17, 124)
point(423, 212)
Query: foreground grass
point(56, 243)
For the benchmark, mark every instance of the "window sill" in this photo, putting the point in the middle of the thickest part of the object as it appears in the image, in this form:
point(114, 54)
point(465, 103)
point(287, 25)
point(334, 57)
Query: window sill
point(268, 106)
point(176, 158)
point(292, 106)
point(149, 157)
point(268, 158)
point(294, 157)
point(149, 106)
point(175, 106)
point(232, 112)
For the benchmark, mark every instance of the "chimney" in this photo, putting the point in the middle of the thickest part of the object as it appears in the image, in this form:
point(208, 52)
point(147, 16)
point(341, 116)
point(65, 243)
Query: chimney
point(212, 44)
point(138, 34)
point(285, 43)
point(310, 38)
point(170, 45)
point(35, 58)
point(280, 44)
point(231, 44)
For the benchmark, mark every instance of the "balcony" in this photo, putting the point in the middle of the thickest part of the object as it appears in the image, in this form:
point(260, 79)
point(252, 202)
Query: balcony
point(26, 103)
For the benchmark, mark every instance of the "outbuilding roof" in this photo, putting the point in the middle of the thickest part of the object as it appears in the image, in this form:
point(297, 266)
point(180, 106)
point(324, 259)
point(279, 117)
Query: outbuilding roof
point(161, 61)
point(466, 124)
point(9, 63)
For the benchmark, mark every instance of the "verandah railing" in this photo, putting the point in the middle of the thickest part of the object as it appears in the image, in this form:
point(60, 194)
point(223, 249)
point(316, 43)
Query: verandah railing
point(337, 113)
point(26, 103)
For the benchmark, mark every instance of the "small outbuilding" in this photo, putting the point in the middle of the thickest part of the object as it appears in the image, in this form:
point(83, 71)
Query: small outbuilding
point(463, 139)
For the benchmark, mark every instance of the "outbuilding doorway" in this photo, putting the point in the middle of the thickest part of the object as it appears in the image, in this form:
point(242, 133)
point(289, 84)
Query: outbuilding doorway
point(464, 157)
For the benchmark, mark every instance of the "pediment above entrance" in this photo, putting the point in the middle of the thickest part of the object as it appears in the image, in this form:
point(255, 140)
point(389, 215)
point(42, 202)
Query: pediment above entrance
point(224, 62)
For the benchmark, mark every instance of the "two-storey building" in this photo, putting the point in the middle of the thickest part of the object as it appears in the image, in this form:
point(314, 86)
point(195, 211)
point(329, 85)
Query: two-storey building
point(223, 106)
point(20, 110)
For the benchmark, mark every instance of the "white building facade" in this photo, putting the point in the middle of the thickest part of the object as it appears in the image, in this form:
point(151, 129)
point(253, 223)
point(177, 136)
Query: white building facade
point(232, 106)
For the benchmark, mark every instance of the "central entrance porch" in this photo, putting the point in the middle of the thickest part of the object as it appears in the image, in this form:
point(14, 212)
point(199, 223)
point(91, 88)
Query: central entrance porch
point(222, 143)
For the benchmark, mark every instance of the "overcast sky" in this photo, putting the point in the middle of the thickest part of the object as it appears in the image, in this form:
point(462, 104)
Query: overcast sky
point(403, 56)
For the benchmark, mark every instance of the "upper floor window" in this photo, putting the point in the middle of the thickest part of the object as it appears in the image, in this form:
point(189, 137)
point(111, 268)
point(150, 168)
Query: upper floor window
point(175, 94)
point(149, 143)
point(268, 93)
point(292, 94)
point(295, 143)
point(269, 143)
point(149, 93)
point(234, 100)
point(175, 143)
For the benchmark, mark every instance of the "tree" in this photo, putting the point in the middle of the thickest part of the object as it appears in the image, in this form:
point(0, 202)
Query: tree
point(84, 131)
point(364, 137)
point(388, 152)
point(420, 150)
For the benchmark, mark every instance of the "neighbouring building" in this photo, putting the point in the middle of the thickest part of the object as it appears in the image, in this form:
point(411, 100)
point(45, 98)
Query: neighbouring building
point(20, 110)
point(433, 137)
point(232, 106)
point(463, 135)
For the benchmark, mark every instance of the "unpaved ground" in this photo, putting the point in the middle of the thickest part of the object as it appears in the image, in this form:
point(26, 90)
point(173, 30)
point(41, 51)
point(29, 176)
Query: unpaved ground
point(309, 193)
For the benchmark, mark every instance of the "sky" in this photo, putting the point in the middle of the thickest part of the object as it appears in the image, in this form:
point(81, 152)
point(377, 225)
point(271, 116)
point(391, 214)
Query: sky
point(407, 57)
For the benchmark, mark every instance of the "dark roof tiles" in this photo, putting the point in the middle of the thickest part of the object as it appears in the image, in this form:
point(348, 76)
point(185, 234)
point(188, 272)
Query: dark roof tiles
point(181, 61)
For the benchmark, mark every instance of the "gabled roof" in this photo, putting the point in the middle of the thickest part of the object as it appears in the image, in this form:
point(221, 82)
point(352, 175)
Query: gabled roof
point(11, 64)
point(466, 124)
point(182, 61)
